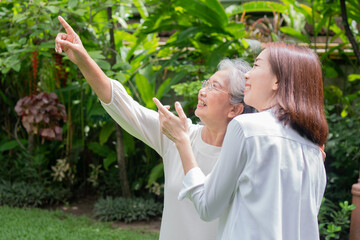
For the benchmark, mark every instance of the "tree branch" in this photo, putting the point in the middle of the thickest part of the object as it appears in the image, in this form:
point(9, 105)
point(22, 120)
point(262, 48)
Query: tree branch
point(348, 32)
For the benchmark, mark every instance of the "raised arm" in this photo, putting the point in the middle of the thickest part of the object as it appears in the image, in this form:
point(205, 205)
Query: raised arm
point(71, 44)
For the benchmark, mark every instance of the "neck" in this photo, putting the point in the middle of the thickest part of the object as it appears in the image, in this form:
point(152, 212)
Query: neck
point(214, 136)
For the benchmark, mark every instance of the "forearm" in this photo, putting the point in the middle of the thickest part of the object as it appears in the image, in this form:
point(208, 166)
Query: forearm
point(186, 154)
point(97, 79)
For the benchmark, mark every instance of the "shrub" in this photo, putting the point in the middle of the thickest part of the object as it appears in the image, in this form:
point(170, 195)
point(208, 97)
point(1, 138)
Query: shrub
point(127, 210)
point(334, 222)
point(23, 194)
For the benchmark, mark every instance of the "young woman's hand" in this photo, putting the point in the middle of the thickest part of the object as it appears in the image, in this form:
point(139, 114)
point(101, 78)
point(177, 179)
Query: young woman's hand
point(70, 43)
point(175, 128)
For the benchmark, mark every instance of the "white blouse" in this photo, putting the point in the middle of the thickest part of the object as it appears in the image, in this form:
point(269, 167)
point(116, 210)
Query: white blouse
point(180, 220)
point(267, 184)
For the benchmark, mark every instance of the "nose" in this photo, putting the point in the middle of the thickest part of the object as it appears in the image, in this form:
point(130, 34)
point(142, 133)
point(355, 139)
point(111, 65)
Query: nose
point(202, 91)
point(247, 75)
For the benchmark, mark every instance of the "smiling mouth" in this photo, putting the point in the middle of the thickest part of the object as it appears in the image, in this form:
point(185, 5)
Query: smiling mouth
point(247, 88)
point(201, 103)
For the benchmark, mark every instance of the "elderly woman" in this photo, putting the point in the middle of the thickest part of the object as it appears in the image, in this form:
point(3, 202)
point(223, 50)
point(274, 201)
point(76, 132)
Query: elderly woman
point(270, 178)
point(220, 100)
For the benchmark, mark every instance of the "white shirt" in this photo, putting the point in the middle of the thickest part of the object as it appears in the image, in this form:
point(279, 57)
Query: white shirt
point(180, 220)
point(267, 184)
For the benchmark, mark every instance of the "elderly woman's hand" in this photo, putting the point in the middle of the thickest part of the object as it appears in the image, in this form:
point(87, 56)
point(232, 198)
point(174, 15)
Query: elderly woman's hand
point(70, 43)
point(175, 128)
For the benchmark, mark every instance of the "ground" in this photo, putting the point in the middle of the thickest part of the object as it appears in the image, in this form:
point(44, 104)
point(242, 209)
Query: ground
point(85, 207)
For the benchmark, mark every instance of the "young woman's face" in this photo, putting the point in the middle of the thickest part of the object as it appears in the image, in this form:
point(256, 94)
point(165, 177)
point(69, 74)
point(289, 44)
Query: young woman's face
point(261, 84)
point(214, 98)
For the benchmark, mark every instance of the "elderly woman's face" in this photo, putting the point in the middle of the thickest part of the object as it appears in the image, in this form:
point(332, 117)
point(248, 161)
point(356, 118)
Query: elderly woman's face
point(214, 98)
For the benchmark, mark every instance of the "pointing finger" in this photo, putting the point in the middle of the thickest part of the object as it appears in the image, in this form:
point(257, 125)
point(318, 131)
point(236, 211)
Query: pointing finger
point(180, 110)
point(67, 27)
point(160, 107)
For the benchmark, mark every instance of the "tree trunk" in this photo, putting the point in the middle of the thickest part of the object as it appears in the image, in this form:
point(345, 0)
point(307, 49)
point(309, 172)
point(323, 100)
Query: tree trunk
point(348, 32)
point(125, 189)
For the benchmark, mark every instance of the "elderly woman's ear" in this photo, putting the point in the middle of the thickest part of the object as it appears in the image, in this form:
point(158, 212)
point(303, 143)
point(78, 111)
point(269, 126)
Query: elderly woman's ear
point(236, 109)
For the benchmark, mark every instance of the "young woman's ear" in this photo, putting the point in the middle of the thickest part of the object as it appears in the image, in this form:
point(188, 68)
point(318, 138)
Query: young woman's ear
point(275, 85)
point(235, 110)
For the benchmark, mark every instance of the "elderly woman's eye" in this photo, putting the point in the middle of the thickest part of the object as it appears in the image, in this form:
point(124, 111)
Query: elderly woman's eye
point(216, 86)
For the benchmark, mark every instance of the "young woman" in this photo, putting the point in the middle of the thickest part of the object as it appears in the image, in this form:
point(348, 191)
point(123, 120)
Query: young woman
point(269, 180)
point(220, 100)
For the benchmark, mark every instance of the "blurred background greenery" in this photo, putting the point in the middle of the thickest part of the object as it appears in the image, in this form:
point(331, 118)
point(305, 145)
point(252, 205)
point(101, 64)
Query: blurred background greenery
point(57, 144)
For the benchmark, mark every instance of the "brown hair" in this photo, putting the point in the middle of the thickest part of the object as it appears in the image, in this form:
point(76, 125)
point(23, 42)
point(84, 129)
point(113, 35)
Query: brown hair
point(300, 90)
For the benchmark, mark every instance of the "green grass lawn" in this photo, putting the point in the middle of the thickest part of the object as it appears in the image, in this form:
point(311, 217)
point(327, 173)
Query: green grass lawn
point(37, 224)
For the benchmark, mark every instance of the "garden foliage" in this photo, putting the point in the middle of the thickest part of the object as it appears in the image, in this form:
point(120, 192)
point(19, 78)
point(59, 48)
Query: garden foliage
point(154, 48)
point(127, 210)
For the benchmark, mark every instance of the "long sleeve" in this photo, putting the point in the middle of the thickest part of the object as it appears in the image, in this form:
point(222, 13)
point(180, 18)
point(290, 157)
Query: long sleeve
point(212, 195)
point(137, 120)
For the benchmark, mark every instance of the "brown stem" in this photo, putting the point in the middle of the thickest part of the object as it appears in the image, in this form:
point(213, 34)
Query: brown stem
point(125, 189)
point(119, 139)
point(348, 32)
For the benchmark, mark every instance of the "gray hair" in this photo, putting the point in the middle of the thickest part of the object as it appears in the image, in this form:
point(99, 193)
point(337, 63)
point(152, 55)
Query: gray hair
point(238, 68)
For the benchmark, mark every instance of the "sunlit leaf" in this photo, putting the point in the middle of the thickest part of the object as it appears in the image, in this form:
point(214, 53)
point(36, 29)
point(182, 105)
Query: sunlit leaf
point(146, 90)
point(72, 3)
point(353, 77)
point(259, 6)
point(292, 32)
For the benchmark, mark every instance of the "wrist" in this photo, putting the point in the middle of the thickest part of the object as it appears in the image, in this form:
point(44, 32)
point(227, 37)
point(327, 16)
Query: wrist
point(85, 60)
point(182, 141)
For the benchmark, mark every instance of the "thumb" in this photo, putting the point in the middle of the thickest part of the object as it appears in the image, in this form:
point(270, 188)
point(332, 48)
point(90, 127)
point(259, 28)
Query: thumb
point(180, 110)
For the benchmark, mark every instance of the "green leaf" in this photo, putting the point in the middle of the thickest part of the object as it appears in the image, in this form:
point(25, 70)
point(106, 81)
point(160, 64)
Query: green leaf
point(344, 113)
point(218, 8)
point(103, 64)
point(16, 66)
point(5, 98)
point(111, 158)
point(205, 12)
point(101, 150)
point(217, 55)
point(8, 145)
point(259, 6)
point(188, 33)
point(156, 172)
point(96, 55)
point(141, 8)
point(236, 29)
point(146, 90)
point(166, 85)
point(106, 132)
point(292, 32)
point(72, 3)
point(52, 9)
point(353, 77)
point(330, 72)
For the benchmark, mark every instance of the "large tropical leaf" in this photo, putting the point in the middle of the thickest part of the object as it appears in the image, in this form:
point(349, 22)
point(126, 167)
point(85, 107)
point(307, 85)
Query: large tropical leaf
point(146, 90)
point(105, 132)
point(217, 55)
point(258, 6)
point(156, 172)
point(166, 85)
point(205, 12)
